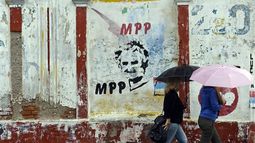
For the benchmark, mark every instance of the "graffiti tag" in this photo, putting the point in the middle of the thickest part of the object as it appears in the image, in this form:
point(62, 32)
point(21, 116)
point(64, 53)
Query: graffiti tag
point(102, 88)
point(127, 29)
point(220, 28)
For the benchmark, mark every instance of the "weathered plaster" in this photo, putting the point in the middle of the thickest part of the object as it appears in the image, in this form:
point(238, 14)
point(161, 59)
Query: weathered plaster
point(110, 120)
point(5, 63)
point(49, 57)
point(31, 47)
point(63, 53)
point(110, 31)
point(221, 33)
point(110, 131)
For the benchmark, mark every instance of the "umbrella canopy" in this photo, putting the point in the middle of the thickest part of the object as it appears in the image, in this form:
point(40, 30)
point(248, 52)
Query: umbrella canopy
point(181, 72)
point(222, 76)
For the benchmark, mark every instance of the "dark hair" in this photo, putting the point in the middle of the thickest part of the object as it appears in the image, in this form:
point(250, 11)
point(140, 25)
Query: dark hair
point(134, 46)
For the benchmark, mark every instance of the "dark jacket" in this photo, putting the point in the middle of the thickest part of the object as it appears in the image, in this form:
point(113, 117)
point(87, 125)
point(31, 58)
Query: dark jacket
point(173, 107)
point(210, 105)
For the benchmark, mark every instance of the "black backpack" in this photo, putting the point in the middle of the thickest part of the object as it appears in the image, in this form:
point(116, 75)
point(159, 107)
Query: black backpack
point(157, 132)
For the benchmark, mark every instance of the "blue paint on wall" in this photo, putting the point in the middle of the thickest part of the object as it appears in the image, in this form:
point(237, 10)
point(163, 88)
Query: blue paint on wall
point(2, 44)
point(196, 30)
point(214, 11)
point(32, 66)
point(246, 10)
point(135, 14)
point(155, 41)
point(196, 9)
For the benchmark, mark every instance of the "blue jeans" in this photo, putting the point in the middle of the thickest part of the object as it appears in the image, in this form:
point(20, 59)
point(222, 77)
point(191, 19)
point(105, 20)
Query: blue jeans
point(175, 131)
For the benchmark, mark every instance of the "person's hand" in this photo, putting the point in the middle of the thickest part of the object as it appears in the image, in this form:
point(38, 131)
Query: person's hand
point(221, 99)
point(166, 125)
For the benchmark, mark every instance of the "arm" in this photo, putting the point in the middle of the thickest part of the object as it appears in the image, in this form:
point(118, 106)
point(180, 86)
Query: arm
point(221, 99)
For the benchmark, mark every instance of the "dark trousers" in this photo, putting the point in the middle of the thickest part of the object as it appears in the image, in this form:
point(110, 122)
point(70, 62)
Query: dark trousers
point(209, 132)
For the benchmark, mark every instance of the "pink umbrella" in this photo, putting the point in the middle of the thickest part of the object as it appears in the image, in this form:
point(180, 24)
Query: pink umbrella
point(222, 76)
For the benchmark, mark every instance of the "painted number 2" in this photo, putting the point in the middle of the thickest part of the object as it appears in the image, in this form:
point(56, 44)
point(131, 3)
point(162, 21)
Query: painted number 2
point(196, 30)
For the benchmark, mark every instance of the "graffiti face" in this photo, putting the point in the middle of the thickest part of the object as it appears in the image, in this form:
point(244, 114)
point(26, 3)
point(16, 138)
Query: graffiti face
point(133, 61)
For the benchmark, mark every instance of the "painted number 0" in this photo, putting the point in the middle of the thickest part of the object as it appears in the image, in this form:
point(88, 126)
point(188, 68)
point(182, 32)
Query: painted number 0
point(246, 11)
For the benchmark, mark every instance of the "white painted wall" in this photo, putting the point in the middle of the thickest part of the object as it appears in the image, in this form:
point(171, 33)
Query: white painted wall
point(216, 36)
point(5, 72)
point(34, 45)
point(222, 32)
point(63, 63)
point(104, 39)
point(58, 86)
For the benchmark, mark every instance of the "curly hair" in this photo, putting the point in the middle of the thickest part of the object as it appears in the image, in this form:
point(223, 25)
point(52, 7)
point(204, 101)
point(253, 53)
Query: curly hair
point(134, 46)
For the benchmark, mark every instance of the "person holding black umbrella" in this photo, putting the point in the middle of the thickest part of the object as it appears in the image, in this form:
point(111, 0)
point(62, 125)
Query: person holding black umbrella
point(173, 112)
point(173, 107)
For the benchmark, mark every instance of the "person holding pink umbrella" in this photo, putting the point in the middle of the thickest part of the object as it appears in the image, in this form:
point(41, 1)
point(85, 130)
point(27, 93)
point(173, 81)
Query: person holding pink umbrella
point(211, 102)
point(213, 77)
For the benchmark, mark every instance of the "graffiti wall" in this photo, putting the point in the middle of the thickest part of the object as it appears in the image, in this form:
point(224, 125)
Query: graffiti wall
point(128, 46)
point(118, 47)
point(221, 33)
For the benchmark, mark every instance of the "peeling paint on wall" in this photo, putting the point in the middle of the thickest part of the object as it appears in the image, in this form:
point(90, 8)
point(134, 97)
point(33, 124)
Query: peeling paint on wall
point(219, 33)
point(5, 72)
point(2, 45)
point(49, 78)
point(130, 46)
point(63, 53)
point(49, 57)
point(112, 131)
point(31, 44)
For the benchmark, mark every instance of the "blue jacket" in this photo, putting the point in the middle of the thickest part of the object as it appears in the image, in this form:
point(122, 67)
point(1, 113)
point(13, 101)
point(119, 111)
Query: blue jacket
point(210, 105)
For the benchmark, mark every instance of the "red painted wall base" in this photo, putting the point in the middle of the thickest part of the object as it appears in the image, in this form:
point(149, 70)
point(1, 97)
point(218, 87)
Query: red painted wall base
point(111, 132)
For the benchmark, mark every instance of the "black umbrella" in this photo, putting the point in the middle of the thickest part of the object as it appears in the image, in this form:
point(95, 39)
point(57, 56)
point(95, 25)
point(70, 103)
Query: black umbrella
point(181, 72)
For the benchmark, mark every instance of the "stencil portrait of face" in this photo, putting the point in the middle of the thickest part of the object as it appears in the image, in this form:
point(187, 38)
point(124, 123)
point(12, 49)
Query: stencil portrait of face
point(133, 61)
